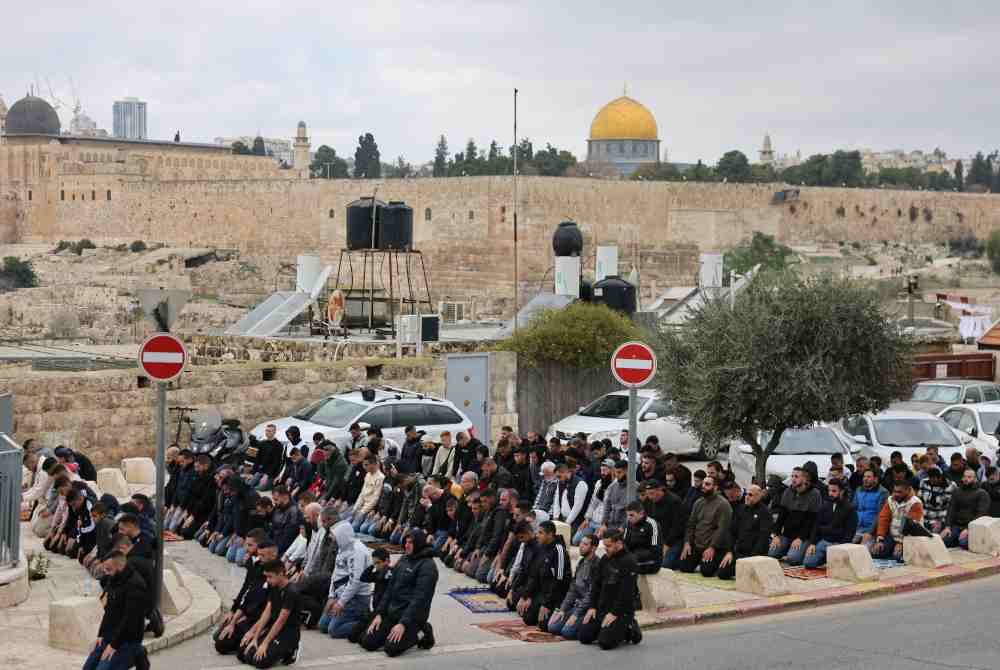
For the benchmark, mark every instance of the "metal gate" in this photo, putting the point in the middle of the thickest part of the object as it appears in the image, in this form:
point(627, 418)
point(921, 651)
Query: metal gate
point(10, 501)
point(467, 384)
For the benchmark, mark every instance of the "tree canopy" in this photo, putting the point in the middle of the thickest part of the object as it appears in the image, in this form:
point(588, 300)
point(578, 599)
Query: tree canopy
point(792, 351)
point(367, 163)
point(841, 168)
point(762, 249)
point(328, 165)
point(241, 149)
point(733, 167)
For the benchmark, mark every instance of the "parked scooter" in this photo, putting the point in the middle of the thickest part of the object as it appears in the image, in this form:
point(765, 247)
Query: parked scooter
point(222, 439)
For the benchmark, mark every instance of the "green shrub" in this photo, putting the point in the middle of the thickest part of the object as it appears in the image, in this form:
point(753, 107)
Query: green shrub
point(84, 244)
point(993, 250)
point(580, 336)
point(137, 246)
point(17, 274)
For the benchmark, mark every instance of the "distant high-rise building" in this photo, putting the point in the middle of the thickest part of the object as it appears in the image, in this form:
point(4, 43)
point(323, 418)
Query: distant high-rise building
point(130, 119)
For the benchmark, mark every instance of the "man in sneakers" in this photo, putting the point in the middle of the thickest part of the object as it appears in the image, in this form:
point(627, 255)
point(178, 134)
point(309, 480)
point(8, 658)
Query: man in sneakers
point(274, 638)
point(610, 619)
point(796, 522)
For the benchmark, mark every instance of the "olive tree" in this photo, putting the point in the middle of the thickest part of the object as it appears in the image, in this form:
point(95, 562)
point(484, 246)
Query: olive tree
point(790, 352)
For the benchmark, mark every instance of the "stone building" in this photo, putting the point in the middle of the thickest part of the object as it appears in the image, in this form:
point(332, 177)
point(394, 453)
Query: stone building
point(301, 160)
point(277, 147)
point(623, 135)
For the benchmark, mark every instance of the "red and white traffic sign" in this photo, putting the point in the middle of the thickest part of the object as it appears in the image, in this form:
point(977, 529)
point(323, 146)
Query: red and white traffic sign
point(162, 357)
point(633, 364)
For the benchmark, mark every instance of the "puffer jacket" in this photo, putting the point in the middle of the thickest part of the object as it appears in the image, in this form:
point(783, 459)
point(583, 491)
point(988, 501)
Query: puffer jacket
point(869, 504)
point(411, 589)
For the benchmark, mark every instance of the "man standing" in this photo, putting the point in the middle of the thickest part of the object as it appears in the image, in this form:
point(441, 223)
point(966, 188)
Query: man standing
point(968, 503)
point(119, 638)
point(610, 619)
point(751, 532)
point(281, 642)
point(707, 531)
point(401, 620)
point(566, 619)
point(409, 458)
point(643, 539)
point(837, 523)
point(796, 522)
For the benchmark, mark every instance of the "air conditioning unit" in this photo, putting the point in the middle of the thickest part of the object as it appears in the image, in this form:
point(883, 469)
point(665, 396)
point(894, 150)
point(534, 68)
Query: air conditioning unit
point(414, 328)
point(452, 312)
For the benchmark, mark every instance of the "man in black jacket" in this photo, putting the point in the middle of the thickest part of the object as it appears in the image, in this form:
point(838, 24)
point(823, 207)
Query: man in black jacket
point(797, 512)
point(402, 617)
point(249, 603)
point(750, 531)
point(670, 515)
point(643, 539)
point(281, 619)
point(836, 523)
point(269, 459)
point(611, 617)
point(119, 638)
point(465, 454)
point(409, 459)
point(200, 501)
point(547, 579)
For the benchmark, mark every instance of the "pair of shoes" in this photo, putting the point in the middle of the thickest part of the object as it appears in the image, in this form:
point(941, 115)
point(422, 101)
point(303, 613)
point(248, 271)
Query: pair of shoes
point(293, 656)
point(634, 632)
point(141, 659)
point(426, 641)
point(156, 625)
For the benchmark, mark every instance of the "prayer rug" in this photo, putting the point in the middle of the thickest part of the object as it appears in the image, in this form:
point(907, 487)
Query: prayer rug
point(169, 536)
point(391, 548)
point(800, 572)
point(516, 629)
point(479, 600)
point(695, 579)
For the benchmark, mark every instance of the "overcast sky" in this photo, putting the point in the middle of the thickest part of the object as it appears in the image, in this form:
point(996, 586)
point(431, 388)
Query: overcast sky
point(717, 75)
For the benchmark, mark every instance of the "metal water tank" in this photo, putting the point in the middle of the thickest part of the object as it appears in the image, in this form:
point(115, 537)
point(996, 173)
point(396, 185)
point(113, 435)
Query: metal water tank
point(567, 240)
point(359, 223)
point(616, 293)
point(396, 226)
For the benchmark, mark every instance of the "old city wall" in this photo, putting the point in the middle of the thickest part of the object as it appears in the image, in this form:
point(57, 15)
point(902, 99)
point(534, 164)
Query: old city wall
point(465, 225)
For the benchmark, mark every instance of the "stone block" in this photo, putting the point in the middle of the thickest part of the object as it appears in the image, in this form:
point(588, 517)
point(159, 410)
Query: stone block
point(851, 563)
point(140, 471)
point(925, 552)
point(14, 585)
point(563, 528)
point(761, 575)
point(984, 536)
point(175, 598)
point(111, 480)
point(94, 487)
point(660, 591)
point(73, 623)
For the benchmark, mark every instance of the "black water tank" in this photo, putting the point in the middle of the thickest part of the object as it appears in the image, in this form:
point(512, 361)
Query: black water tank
point(359, 223)
point(586, 290)
point(396, 227)
point(616, 293)
point(567, 240)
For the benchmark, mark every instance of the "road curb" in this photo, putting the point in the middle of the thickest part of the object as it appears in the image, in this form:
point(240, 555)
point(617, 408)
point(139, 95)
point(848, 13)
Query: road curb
point(926, 579)
point(205, 611)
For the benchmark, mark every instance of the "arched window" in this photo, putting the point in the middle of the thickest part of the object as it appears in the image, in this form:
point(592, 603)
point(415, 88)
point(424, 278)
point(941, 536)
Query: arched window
point(109, 194)
point(427, 214)
point(93, 195)
point(472, 215)
point(331, 213)
point(62, 195)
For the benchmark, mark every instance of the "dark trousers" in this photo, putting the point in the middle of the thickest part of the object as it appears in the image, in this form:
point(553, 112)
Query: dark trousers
point(123, 658)
point(278, 651)
point(378, 638)
point(607, 637)
point(314, 591)
point(693, 562)
point(231, 644)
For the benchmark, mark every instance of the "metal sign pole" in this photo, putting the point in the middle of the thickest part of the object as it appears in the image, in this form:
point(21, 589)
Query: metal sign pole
point(633, 407)
point(161, 447)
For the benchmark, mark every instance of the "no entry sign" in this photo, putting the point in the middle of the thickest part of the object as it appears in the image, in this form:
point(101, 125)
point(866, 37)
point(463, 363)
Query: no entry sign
point(162, 357)
point(633, 364)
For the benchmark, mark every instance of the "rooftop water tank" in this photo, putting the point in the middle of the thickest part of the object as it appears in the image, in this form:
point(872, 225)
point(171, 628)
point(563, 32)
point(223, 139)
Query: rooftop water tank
point(567, 240)
point(396, 228)
point(359, 223)
point(616, 293)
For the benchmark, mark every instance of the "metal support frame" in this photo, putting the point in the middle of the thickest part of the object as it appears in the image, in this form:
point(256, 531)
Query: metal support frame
point(368, 287)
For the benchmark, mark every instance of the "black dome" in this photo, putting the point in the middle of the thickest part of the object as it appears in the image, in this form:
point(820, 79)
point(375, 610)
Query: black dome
point(32, 116)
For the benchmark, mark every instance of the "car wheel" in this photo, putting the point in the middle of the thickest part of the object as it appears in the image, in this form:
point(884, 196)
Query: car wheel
point(709, 451)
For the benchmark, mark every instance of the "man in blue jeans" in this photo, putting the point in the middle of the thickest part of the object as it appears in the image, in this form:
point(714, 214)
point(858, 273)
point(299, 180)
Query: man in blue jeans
point(350, 598)
point(836, 524)
point(119, 638)
point(796, 519)
point(564, 621)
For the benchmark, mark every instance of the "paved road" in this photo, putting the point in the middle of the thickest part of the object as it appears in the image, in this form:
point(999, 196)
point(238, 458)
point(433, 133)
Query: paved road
point(949, 627)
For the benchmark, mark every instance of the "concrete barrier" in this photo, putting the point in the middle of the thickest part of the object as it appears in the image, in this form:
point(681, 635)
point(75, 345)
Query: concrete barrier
point(139, 471)
point(850, 562)
point(660, 591)
point(111, 480)
point(761, 575)
point(175, 599)
point(984, 536)
point(94, 487)
point(73, 623)
point(925, 552)
point(14, 585)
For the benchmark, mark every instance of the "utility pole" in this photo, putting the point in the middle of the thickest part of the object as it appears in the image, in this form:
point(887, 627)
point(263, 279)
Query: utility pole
point(517, 150)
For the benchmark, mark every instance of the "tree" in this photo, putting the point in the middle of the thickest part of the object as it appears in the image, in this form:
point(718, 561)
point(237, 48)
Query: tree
point(792, 351)
point(552, 162)
point(657, 172)
point(763, 174)
point(399, 170)
point(441, 158)
point(328, 165)
point(17, 274)
point(959, 176)
point(763, 250)
point(733, 167)
point(993, 250)
point(979, 174)
point(258, 146)
point(241, 149)
point(700, 172)
point(367, 164)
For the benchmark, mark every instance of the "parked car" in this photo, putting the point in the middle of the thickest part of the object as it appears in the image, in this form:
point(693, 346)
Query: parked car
point(816, 444)
point(388, 408)
point(909, 433)
point(933, 396)
point(607, 417)
point(978, 420)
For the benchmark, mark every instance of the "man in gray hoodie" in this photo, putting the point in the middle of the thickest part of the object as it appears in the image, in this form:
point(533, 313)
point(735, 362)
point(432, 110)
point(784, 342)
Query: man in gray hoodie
point(615, 500)
point(350, 598)
point(564, 620)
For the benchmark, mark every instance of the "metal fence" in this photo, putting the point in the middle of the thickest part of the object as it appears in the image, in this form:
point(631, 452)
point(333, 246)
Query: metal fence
point(10, 501)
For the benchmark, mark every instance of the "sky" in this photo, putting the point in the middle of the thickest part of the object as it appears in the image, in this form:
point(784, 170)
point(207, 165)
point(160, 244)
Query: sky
point(717, 76)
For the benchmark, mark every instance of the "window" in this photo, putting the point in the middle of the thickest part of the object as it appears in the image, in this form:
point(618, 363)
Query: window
point(990, 393)
point(73, 197)
point(427, 214)
point(62, 195)
point(331, 213)
point(330, 412)
point(109, 194)
point(472, 215)
point(93, 195)
point(437, 416)
point(380, 417)
point(967, 423)
point(409, 415)
point(621, 147)
point(952, 417)
point(659, 407)
point(972, 394)
point(857, 425)
point(29, 196)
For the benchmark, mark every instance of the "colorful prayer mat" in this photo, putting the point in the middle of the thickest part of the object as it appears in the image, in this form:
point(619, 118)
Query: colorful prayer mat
point(479, 600)
point(800, 572)
point(516, 629)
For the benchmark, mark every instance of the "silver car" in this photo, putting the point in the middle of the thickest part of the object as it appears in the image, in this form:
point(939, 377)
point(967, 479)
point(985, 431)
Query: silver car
point(817, 444)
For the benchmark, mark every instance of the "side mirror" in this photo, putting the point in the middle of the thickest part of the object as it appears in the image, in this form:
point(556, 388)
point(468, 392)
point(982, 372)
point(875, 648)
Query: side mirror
point(582, 407)
point(974, 432)
point(966, 439)
point(364, 425)
point(650, 416)
point(861, 439)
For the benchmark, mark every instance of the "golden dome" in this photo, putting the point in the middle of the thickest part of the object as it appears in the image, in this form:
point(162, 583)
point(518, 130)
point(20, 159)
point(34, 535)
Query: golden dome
point(623, 119)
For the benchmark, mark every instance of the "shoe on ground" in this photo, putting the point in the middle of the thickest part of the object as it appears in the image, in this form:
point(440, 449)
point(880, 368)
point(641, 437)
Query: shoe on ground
point(426, 641)
point(635, 632)
point(156, 625)
point(142, 659)
point(293, 655)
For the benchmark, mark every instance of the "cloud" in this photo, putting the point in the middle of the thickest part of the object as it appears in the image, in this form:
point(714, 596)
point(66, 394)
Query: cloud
point(716, 76)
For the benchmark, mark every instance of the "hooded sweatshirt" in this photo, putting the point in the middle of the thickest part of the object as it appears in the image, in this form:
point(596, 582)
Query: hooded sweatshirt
point(352, 559)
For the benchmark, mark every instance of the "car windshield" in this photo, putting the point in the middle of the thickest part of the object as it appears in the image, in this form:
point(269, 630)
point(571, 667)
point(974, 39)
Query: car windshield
point(937, 393)
point(607, 407)
point(990, 421)
point(805, 441)
point(914, 433)
point(333, 412)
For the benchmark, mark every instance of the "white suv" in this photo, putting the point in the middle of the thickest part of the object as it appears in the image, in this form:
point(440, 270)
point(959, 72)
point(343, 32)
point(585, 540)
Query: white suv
point(390, 409)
